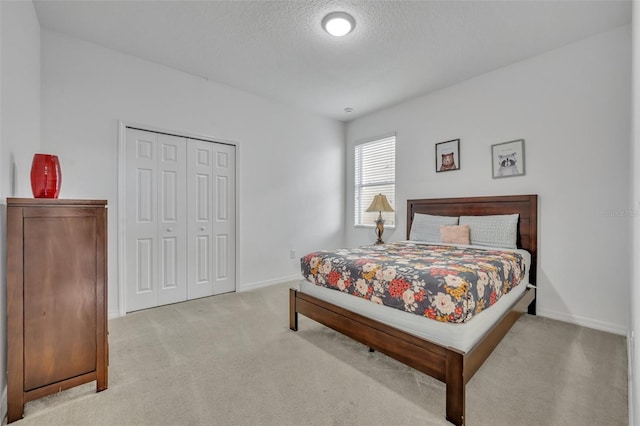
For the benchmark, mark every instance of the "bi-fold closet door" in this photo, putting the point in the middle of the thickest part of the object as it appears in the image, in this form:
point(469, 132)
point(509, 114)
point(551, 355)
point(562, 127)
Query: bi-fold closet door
point(180, 219)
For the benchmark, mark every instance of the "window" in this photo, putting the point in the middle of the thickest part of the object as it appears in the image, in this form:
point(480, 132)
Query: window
point(375, 173)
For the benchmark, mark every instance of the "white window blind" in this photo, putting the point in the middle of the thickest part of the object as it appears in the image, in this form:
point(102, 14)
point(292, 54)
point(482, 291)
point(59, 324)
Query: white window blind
point(375, 173)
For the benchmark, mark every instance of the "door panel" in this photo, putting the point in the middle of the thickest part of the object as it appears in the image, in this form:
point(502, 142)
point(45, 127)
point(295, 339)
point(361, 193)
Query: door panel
point(155, 219)
point(169, 259)
point(222, 260)
point(144, 265)
point(200, 228)
point(222, 198)
point(141, 222)
point(173, 219)
point(202, 259)
point(145, 199)
point(224, 226)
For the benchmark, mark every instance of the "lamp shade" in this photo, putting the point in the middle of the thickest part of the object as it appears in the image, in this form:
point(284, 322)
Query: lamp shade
point(380, 204)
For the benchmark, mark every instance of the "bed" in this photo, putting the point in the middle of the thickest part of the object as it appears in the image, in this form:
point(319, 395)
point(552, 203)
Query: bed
point(452, 366)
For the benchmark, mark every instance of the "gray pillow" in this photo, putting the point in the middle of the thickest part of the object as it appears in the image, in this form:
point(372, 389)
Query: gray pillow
point(426, 227)
point(493, 230)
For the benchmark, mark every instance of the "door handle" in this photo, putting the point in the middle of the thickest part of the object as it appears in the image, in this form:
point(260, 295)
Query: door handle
point(169, 229)
point(202, 228)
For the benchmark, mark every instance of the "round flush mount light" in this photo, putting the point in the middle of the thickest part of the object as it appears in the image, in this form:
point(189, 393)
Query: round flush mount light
point(338, 24)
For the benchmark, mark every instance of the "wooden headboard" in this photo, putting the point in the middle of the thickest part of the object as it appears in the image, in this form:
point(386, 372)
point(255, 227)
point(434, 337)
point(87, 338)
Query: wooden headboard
point(525, 205)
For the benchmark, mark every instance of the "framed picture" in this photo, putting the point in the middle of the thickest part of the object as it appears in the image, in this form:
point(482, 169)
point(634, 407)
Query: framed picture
point(507, 159)
point(448, 155)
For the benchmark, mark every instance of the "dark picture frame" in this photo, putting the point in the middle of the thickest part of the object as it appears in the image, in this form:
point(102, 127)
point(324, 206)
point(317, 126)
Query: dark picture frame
point(448, 156)
point(507, 159)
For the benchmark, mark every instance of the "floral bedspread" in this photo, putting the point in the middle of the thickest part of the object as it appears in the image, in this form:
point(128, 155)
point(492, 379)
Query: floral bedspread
point(448, 284)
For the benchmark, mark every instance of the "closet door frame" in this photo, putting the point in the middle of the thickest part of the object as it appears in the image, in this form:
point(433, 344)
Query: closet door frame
point(122, 162)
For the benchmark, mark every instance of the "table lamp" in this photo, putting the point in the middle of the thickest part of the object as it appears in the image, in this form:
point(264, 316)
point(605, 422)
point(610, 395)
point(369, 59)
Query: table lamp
point(380, 204)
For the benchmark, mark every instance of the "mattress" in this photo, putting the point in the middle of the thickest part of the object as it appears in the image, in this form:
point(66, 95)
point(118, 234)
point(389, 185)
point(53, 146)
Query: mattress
point(461, 336)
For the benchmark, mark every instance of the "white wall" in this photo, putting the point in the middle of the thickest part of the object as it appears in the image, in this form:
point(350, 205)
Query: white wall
point(572, 107)
point(20, 97)
point(19, 129)
point(291, 178)
point(634, 324)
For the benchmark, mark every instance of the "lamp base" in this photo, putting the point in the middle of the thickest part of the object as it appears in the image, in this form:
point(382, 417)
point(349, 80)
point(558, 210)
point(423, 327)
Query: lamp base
point(379, 229)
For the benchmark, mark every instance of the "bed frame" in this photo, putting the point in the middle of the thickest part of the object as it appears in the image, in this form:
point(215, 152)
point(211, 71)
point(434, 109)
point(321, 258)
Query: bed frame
point(451, 366)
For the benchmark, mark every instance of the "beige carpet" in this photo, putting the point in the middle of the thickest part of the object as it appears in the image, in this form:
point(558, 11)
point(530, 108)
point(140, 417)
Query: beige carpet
point(232, 360)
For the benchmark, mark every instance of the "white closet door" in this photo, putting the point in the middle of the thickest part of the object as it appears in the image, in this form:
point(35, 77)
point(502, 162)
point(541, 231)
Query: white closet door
point(224, 224)
point(141, 221)
point(200, 214)
point(155, 219)
point(211, 211)
point(172, 219)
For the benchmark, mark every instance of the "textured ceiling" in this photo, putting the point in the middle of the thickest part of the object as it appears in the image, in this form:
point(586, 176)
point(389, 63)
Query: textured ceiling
point(277, 49)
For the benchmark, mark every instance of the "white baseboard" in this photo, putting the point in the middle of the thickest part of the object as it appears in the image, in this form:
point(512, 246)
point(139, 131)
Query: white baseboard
point(259, 284)
point(582, 321)
point(245, 287)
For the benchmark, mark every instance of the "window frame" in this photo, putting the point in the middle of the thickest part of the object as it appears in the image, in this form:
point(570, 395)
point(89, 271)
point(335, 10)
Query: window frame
point(390, 218)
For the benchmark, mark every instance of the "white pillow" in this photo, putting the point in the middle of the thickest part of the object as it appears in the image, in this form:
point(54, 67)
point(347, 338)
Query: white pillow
point(426, 227)
point(493, 230)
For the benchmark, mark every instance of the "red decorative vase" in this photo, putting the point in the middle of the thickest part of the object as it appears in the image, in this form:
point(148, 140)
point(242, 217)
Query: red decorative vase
point(46, 176)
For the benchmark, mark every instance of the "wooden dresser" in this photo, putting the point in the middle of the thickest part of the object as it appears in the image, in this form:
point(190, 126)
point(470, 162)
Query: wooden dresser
point(56, 298)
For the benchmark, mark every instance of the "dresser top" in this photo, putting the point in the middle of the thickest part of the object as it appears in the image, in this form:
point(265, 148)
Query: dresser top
point(35, 202)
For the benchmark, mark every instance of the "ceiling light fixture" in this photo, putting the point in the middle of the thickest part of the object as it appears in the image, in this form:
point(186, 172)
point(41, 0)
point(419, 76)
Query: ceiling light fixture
point(338, 24)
